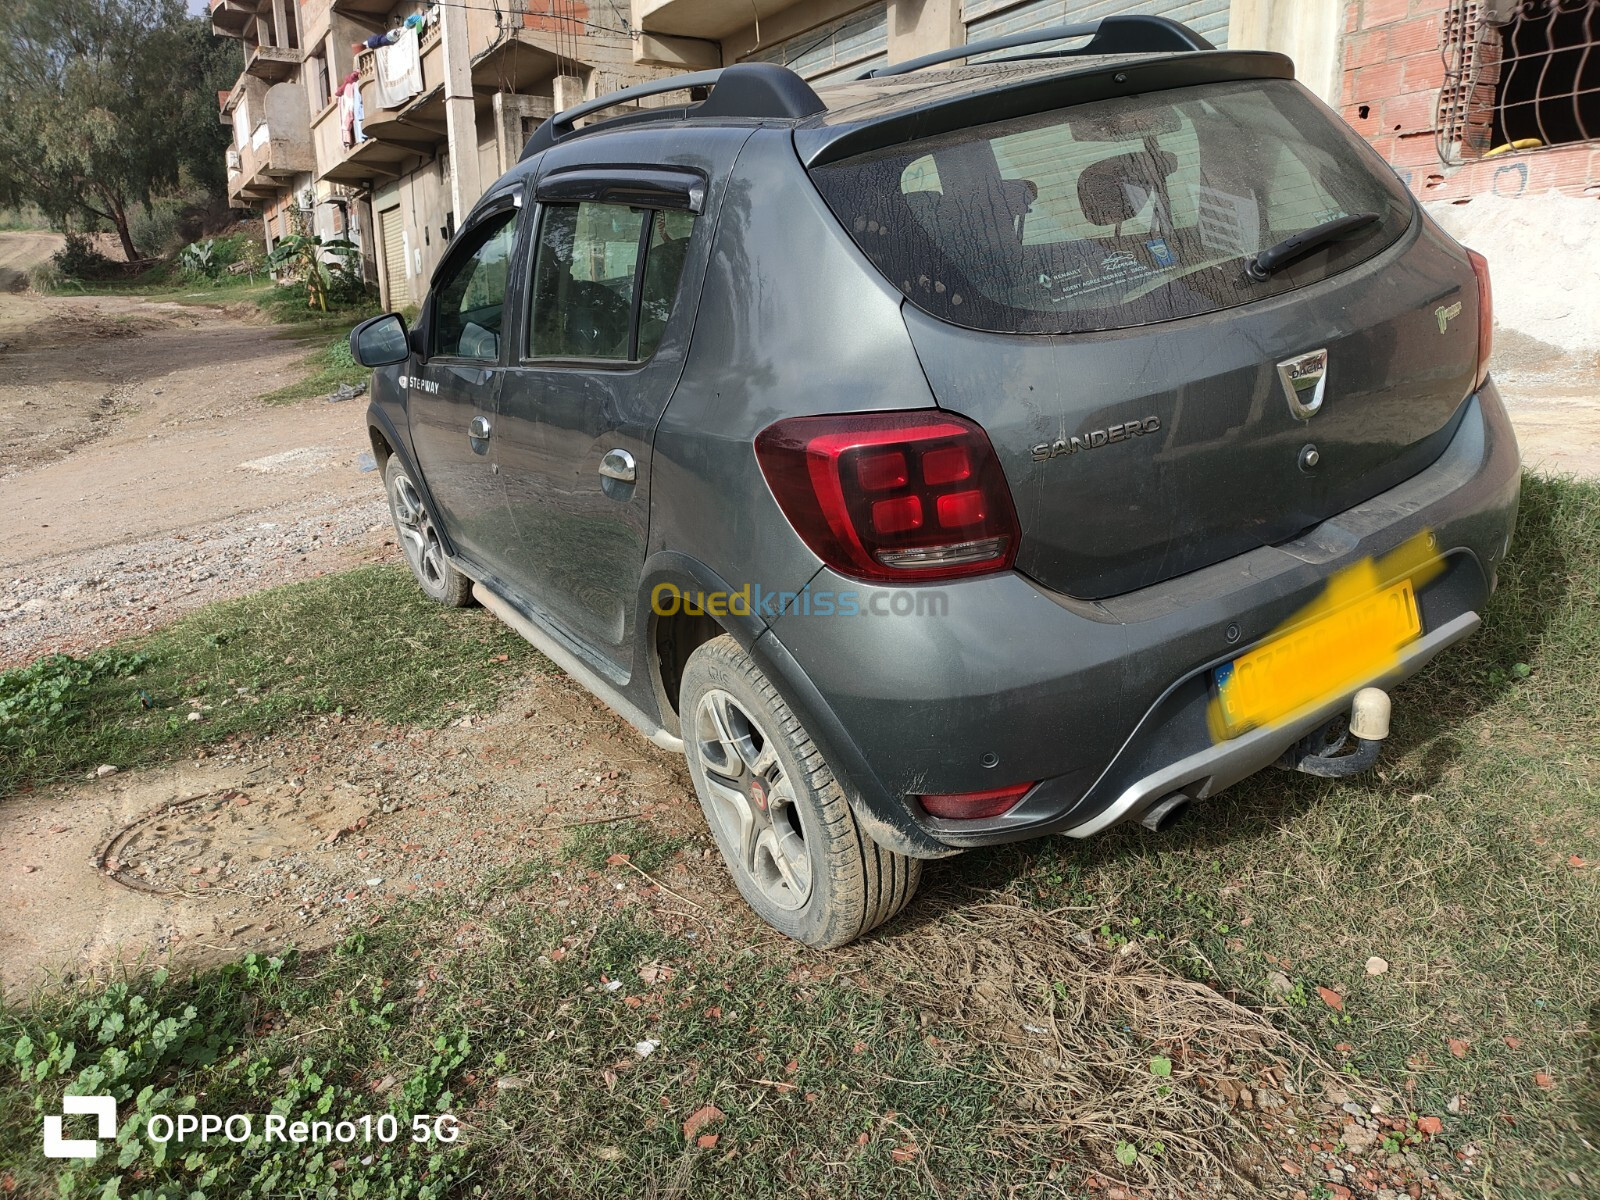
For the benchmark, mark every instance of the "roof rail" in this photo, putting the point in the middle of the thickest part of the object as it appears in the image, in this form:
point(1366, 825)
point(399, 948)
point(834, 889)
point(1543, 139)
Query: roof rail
point(1112, 35)
point(751, 90)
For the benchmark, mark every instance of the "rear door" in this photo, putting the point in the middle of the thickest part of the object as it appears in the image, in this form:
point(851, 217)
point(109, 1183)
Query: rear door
point(598, 356)
point(1076, 283)
point(451, 394)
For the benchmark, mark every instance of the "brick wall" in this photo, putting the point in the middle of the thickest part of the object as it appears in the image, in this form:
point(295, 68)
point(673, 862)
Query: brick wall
point(569, 17)
point(1393, 73)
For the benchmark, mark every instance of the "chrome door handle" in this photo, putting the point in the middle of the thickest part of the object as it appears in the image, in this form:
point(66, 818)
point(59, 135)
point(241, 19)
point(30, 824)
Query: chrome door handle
point(478, 430)
point(619, 465)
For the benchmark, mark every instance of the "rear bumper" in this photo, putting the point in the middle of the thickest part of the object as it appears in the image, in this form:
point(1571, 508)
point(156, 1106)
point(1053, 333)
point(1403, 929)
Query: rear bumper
point(994, 681)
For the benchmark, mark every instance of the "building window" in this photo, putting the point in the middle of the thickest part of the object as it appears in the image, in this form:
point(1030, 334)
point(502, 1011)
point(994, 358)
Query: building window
point(1520, 75)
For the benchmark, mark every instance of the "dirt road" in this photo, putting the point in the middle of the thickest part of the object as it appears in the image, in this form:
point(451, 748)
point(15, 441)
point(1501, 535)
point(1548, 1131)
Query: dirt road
point(140, 473)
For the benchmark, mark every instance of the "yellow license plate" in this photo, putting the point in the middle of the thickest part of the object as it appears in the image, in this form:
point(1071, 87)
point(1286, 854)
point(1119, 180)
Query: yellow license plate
point(1345, 649)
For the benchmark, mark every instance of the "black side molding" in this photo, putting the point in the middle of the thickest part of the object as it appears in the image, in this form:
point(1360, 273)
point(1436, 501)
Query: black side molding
point(645, 187)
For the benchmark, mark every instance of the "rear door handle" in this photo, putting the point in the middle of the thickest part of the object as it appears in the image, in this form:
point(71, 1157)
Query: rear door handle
point(619, 465)
point(478, 430)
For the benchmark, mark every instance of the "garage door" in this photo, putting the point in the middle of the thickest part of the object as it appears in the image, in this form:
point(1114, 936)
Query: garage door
point(392, 233)
point(992, 18)
point(840, 49)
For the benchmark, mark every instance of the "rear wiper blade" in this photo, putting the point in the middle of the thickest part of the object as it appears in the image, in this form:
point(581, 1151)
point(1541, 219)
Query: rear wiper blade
point(1275, 258)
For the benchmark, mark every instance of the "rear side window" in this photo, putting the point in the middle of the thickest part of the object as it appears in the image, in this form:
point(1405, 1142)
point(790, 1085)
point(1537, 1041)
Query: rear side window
point(604, 279)
point(1117, 213)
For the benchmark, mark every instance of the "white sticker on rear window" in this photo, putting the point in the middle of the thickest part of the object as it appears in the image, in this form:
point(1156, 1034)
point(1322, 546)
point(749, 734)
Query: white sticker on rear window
point(1229, 224)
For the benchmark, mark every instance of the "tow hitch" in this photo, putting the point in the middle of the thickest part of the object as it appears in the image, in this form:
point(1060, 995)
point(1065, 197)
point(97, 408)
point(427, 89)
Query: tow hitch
point(1324, 753)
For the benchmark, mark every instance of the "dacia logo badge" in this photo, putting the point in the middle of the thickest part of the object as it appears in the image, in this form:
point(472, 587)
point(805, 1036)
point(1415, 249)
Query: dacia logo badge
point(1305, 382)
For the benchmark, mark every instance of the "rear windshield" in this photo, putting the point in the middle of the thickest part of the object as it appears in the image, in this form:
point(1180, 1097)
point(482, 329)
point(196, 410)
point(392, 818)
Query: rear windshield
point(1116, 213)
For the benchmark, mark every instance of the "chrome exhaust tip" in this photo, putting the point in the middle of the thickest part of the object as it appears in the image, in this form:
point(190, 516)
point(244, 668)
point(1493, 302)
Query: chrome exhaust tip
point(1165, 813)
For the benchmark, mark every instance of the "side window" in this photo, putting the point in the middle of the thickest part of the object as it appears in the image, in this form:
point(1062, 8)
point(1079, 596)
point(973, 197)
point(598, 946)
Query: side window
point(583, 279)
point(663, 265)
point(470, 297)
point(587, 282)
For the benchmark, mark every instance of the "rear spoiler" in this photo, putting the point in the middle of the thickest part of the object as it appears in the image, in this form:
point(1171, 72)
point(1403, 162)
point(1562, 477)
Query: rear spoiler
point(961, 103)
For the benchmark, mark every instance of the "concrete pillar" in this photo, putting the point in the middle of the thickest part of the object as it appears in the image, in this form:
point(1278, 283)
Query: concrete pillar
point(918, 27)
point(510, 111)
point(567, 90)
point(460, 111)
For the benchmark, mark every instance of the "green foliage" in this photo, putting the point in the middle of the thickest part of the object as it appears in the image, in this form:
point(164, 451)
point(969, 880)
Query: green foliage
point(158, 227)
point(40, 703)
point(105, 103)
point(327, 268)
point(160, 1046)
point(199, 260)
point(331, 367)
point(365, 641)
point(81, 259)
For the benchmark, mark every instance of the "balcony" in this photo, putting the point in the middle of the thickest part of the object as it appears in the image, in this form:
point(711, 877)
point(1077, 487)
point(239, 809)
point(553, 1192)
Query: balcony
point(367, 9)
point(368, 163)
point(230, 18)
point(709, 19)
point(272, 63)
point(418, 121)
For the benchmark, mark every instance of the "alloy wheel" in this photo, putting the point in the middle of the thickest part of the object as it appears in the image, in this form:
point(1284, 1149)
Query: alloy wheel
point(418, 538)
point(753, 799)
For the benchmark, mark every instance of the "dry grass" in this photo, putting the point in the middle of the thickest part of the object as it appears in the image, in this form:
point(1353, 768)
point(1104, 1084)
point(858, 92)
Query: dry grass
point(1097, 1047)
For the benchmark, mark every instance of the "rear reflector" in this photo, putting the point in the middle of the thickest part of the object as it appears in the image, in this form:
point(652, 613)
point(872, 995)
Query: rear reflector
point(969, 806)
point(893, 497)
point(1480, 268)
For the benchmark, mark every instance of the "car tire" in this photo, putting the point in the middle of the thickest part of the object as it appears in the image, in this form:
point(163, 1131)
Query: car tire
point(778, 814)
point(419, 541)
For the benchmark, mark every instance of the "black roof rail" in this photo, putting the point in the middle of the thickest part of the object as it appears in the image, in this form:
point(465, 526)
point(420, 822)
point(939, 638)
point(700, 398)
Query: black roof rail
point(752, 90)
point(1112, 35)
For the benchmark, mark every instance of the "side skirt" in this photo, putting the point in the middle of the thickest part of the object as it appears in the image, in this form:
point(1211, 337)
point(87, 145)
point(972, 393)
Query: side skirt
point(563, 658)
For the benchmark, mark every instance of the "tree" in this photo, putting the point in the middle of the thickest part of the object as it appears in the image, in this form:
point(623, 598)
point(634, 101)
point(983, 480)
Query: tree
point(96, 106)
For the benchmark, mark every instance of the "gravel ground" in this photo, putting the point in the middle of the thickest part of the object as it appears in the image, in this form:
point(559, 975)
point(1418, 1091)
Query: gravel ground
point(87, 599)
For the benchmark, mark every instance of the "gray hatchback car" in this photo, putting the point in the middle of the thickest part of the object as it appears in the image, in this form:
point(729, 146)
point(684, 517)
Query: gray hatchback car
point(965, 453)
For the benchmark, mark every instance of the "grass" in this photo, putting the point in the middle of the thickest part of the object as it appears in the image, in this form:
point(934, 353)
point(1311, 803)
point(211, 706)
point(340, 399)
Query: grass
point(365, 641)
point(904, 1066)
point(1468, 864)
point(330, 367)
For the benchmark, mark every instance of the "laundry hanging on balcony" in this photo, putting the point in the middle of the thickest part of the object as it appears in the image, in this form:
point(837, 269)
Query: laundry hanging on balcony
point(350, 111)
point(399, 69)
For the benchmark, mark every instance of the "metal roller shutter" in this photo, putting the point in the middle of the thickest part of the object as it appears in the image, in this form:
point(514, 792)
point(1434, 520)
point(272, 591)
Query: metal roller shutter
point(392, 233)
point(992, 18)
point(840, 49)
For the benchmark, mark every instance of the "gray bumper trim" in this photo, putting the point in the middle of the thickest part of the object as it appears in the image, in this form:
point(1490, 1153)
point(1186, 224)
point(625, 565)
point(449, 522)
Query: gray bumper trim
point(1221, 766)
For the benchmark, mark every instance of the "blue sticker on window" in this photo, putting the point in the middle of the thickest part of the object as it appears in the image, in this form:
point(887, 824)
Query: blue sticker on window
point(1162, 253)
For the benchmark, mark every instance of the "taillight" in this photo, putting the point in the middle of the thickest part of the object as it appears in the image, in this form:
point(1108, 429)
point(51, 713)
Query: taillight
point(970, 806)
point(896, 497)
point(1480, 268)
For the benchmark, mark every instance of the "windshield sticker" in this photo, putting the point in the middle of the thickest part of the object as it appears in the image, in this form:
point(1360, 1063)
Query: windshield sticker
point(1161, 253)
point(1229, 224)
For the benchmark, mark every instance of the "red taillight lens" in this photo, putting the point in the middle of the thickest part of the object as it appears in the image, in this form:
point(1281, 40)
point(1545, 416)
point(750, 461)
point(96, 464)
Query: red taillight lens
point(1480, 268)
point(969, 806)
point(893, 497)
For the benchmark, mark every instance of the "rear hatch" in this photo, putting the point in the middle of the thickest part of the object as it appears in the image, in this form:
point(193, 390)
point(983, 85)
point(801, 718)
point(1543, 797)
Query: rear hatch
point(1077, 282)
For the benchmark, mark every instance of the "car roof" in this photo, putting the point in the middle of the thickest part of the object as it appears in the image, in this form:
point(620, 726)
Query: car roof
point(928, 95)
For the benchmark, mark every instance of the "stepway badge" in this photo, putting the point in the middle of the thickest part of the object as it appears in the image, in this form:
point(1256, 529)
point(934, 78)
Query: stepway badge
point(1162, 253)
